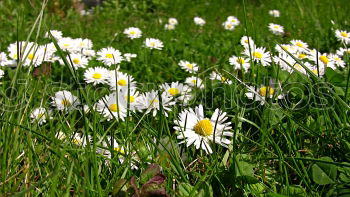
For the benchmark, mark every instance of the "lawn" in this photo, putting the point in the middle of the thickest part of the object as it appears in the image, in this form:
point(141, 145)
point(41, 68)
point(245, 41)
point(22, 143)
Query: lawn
point(175, 98)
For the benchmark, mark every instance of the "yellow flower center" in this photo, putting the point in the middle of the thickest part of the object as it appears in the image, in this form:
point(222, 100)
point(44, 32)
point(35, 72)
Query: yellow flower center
point(344, 34)
point(173, 91)
point(276, 27)
point(233, 20)
point(194, 81)
point(229, 26)
point(120, 150)
point(76, 141)
point(337, 59)
point(152, 44)
point(299, 44)
point(190, 66)
point(97, 76)
point(76, 60)
point(113, 108)
point(108, 55)
point(66, 102)
point(302, 56)
point(122, 82)
point(315, 71)
point(240, 60)
point(132, 32)
point(66, 45)
point(223, 78)
point(154, 101)
point(31, 56)
point(203, 127)
point(298, 67)
point(266, 89)
point(132, 98)
point(257, 55)
point(348, 51)
point(41, 116)
point(324, 59)
point(246, 41)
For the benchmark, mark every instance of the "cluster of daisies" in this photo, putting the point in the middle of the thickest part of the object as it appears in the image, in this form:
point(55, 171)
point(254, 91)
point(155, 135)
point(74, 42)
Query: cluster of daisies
point(192, 126)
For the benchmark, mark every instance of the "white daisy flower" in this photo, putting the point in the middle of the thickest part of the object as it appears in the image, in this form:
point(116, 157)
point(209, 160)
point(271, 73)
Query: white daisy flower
point(274, 13)
point(129, 56)
point(300, 45)
point(228, 25)
point(89, 53)
point(2, 73)
point(55, 33)
point(77, 60)
point(111, 107)
point(97, 75)
point(239, 62)
point(246, 41)
point(109, 56)
point(82, 44)
point(276, 29)
point(133, 32)
point(27, 52)
point(342, 51)
point(134, 99)
point(47, 52)
point(288, 63)
point(153, 43)
point(188, 66)
point(199, 21)
point(151, 102)
point(321, 59)
point(67, 44)
point(65, 100)
point(260, 94)
point(288, 47)
point(39, 115)
point(233, 20)
point(4, 61)
point(173, 21)
point(343, 36)
point(80, 140)
point(120, 80)
point(194, 128)
point(169, 27)
point(194, 82)
point(178, 91)
point(337, 61)
point(259, 55)
point(220, 77)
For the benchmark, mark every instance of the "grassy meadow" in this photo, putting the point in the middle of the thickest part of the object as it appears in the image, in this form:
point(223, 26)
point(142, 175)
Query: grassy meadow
point(199, 112)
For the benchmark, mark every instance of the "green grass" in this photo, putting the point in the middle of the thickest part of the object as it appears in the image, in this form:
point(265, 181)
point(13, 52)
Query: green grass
point(299, 148)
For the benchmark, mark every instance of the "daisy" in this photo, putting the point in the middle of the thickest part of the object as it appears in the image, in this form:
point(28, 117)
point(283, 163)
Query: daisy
point(133, 32)
point(199, 21)
point(111, 107)
point(194, 82)
point(228, 25)
point(188, 66)
point(89, 53)
point(179, 91)
point(287, 47)
point(259, 55)
point(342, 51)
point(65, 100)
point(151, 102)
point(260, 94)
point(128, 56)
point(233, 20)
point(2, 73)
point(118, 80)
point(67, 44)
point(220, 77)
point(81, 43)
point(239, 62)
point(77, 60)
point(169, 27)
point(47, 52)
point(80, 140)
point(134, 99)
point(109, 56)
point(300, 45)
point(4, 61)
point(195, 128)
point(27, 52)
point(55, 33)
point(338, 62)
point(321, 59)
point(343, 36)
point(246, 41)
point(153, 43)
point(97, 75)
point(172, 21)
point(39, 115)
point(276, 29)
point(274, 13)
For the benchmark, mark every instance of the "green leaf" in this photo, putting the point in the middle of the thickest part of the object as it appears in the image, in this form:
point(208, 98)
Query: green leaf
point(151, 171)
point(324, 173)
